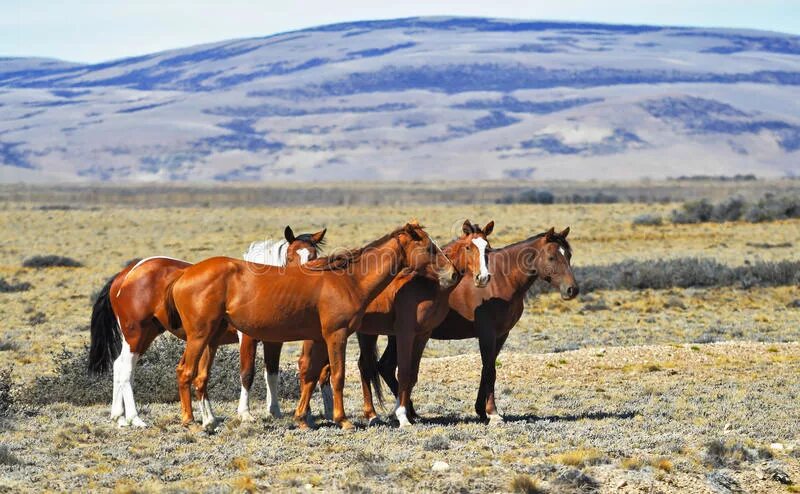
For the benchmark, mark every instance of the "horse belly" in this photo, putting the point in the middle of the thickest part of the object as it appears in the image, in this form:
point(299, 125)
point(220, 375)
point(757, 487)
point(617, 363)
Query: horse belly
point(280, 327)
point(377, 323)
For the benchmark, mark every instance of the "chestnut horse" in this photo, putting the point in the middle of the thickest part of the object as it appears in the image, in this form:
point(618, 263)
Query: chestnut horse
point(131, 304)
point(322, 300)
point(490, 313)
point(409, 309)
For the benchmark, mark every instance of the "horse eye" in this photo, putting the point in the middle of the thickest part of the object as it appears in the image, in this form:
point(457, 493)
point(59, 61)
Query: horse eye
point(469, 248)
point(552, 258)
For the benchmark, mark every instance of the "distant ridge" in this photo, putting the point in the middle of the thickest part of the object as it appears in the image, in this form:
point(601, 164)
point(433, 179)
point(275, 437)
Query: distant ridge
point(414, 99)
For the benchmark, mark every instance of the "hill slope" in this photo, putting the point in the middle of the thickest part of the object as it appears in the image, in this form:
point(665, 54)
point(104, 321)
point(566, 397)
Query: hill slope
point(421, 98)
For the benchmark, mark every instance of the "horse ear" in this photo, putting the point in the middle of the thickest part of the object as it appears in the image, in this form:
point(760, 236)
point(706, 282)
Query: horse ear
point(488, 228)
point(565, 232)
point(550, 233)
point(288, 234)
point(467, 228)
point(317, 237)
point(411, 229)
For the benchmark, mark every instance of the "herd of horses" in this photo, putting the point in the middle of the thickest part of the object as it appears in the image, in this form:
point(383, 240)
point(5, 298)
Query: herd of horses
point(402, 285)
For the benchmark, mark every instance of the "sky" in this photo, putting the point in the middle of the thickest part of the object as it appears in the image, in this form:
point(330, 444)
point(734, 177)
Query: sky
point(100, 30)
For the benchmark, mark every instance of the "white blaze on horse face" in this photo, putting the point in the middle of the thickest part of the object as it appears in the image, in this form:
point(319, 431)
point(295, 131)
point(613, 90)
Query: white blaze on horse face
point(303, 253)
point(481, 244)
point(563, 252)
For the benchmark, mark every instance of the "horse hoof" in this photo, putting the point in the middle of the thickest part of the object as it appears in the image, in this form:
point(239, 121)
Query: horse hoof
point(246, 417)
point(495, 419)
point(137, 422)
point(275, 413)
point(375, 422)
point(122, 422)
point(346, 425)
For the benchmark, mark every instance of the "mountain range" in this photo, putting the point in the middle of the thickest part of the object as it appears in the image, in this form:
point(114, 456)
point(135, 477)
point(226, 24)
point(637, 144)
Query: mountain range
point(414, 99)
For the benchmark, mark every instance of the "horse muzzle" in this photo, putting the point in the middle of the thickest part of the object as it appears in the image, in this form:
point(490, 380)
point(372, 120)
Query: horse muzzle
point(482, 281)
point(448, 278)
point(568, 292)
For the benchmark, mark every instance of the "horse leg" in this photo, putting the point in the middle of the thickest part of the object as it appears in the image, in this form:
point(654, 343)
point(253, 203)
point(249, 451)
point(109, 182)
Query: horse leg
point(491, 407)
point(272, 365)
point(247, 370)
point(124, 368)
point(367, 343)
point(419, 347)
point(326, 391)
point(487, 342)
point(388, 365)
point(337, 346)
point(201, 386)
point(196, 343)
point(310, 363)
point(405, 348)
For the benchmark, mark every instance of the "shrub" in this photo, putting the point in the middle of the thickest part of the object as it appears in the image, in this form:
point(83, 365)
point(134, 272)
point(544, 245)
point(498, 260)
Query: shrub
point(768, 208)
point(693, 212)
point(154, 378)
point(6, 393)
point(771, 208)
point(680, 273)
point(530, 196)
point(731, 209)
point(7, 457)
point(648, 220)
point(50, 261)
point(13, 286)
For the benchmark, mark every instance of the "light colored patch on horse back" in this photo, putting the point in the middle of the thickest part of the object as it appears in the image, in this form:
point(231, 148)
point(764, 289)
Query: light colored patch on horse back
point(267, 252)
point(146, 259)
point(481, 245)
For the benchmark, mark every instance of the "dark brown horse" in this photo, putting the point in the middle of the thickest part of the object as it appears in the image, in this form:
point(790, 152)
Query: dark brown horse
point(409, 309)
point(131, 304)
point(490, 313)
point(322, 300)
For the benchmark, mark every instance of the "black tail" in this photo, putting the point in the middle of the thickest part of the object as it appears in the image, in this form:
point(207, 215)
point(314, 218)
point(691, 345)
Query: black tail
point(106, 338)
point(173, 316)
point(368, 363)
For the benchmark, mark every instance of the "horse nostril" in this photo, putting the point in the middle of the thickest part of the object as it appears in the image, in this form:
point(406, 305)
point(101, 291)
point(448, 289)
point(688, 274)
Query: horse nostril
point(572, 291)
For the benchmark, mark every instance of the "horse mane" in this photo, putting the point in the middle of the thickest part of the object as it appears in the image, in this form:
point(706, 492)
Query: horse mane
point(338, 262)
point(267, 252)
point(561, 241)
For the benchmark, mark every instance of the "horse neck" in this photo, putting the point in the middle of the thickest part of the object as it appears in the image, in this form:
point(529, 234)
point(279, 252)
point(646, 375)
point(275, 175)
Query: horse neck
point(377, 267)
point(511, 264)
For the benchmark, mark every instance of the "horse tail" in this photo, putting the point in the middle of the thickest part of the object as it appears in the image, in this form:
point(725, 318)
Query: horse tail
point(173, 316)
point(106, 339)
point(368, 363)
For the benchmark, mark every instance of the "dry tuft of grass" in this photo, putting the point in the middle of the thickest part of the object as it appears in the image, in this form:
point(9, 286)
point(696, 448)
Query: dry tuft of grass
point(663, 464)
point(580, 458)
point(245, 484)
point(527, 485)
point(632, 463)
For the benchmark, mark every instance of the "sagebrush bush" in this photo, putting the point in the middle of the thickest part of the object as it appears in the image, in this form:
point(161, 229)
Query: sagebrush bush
point(50, 261)
point(648, 220)
point(771, 208)
point(154, 378)
point(681, 273)
point(693, 212)
point(768, 208)
point(13, 286)
point(530, 196)
point(6, 393)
